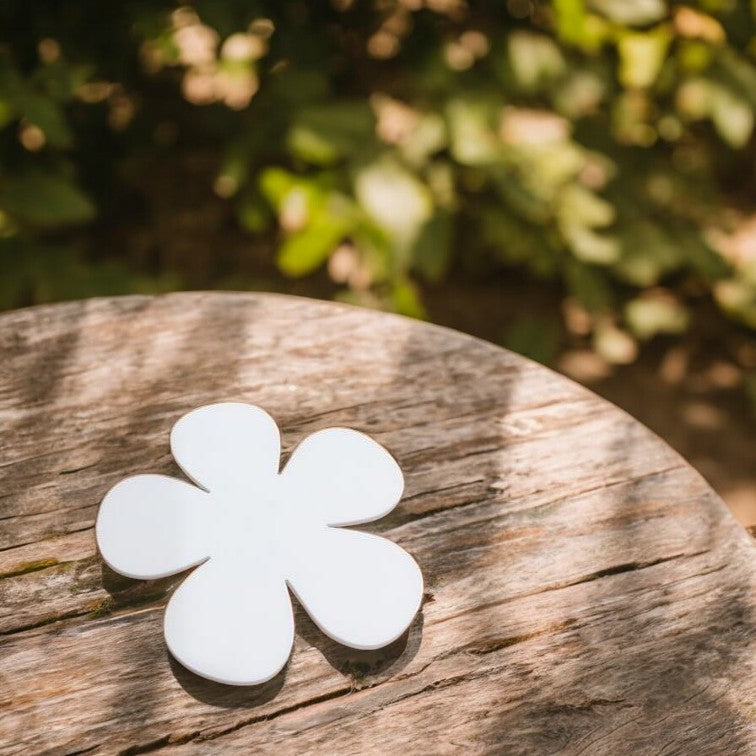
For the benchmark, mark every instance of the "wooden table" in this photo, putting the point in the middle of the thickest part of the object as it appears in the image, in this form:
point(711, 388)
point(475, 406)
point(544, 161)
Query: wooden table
point(586, 591)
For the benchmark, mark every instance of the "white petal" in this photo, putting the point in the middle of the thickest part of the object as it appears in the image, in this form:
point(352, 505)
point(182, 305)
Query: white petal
point(343, 477)
point(360, 589)
point(150, 526)
point(230, 626)
point(226, 446)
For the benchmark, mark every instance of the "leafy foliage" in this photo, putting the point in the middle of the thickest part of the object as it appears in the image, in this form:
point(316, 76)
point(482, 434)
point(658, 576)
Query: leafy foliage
point(607, 144)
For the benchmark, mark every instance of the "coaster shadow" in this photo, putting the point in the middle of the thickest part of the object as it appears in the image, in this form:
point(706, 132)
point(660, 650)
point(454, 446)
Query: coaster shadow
point(363, 668)
point(359, 665)
point(226, 696)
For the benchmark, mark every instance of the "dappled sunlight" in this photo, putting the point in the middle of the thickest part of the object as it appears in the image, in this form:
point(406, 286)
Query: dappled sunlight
point(215, 70)
point(521, 126)
point(705, 416)
point(584, 366)
point(570, 180)
point(461, 54)
point(31, 137)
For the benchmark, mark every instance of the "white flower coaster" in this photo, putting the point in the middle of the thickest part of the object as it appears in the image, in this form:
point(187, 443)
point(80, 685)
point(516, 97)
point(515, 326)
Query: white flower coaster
point(254, 531)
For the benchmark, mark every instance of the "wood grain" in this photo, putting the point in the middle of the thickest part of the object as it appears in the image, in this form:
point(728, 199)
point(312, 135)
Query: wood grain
point(586, 592)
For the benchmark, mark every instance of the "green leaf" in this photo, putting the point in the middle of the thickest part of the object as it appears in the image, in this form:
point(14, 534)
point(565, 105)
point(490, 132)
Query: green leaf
point(276, 183)
point(641, 56)
point(580, 94)
point(305, 251)
point(545, 168)
point(648, 316)
point(395, 199)
point(45, 199)
point(580, 211)
point(577, 27)
point(631, 12)
point(737, 299)
point(536, 61)
point(570, 18)
point(406, 299)
point(471, 121)
point(311, 146)
point(427, 138)
point(732, 117)
point(591, 247)
point(327, 133)
point(580, 206)
point(737, 73)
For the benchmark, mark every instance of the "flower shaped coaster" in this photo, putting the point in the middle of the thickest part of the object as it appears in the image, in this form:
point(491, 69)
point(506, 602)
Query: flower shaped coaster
point(254, 531)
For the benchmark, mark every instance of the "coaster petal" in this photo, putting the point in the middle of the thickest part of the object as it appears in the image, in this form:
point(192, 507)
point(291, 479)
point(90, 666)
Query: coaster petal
point(230, 626)
point(227, 446)
point(342, 477)
point(151, 526)
point(360, 589)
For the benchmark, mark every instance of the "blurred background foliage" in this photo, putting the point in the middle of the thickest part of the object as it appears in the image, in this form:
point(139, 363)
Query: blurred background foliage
point(574, 179)
point(604, 147)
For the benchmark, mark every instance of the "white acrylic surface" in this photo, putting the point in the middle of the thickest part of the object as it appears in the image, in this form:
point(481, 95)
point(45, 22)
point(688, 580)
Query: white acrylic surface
point(253, 531)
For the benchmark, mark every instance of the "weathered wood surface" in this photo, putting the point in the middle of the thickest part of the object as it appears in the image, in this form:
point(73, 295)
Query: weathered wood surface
point(586, 590)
